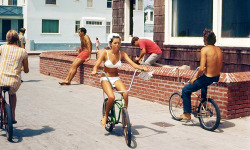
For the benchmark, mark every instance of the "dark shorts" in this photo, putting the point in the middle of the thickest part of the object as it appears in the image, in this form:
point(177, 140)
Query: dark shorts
point(83, 55)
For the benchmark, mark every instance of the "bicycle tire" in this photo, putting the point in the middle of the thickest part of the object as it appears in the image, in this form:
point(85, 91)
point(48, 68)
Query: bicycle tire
point(126, 126)
point(176, 106)
point(209, 114)
point(109, 124)
point(8, 125)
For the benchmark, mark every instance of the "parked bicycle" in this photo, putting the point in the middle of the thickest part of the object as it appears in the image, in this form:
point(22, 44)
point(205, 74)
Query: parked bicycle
point(113, 118)
point(6, 115)
point(206, 110)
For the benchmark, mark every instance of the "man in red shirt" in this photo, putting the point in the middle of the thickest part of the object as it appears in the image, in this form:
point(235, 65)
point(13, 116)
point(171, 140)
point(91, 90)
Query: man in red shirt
point(150, 52)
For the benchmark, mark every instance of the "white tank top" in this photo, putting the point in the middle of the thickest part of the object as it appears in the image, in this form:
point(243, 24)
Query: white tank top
point(109, 64)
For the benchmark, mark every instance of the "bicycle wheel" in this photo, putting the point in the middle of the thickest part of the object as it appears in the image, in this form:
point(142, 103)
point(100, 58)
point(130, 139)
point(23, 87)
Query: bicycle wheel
point(176, 106)
point(209, 114)
point(8, 122)
point(109, 124)
point(126, 126)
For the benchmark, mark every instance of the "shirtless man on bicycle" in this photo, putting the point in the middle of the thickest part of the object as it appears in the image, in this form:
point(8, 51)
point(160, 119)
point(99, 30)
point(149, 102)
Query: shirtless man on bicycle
point(209, 72)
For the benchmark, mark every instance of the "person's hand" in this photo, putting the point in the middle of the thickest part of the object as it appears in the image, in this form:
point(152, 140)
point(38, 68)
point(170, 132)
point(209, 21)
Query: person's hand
point(144, 69)
point(87, 59)
point(22, 68)
point(93, 73)
point(78, 50)
point(192, 81)
point(136, 58)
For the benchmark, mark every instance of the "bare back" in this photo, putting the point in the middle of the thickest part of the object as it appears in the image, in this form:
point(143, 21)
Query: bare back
point(213, 60)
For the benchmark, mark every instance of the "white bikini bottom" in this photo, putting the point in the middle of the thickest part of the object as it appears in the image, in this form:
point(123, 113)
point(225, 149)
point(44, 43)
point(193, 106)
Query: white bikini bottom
point(112, 79)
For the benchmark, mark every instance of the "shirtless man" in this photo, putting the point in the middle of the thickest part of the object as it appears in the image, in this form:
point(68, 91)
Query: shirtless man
point(84, 55)
point(209, 72)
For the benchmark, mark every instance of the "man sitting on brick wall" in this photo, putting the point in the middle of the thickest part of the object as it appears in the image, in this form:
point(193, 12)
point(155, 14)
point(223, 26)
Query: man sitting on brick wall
point(209, 72)
point(84, 55)
point(150, 52)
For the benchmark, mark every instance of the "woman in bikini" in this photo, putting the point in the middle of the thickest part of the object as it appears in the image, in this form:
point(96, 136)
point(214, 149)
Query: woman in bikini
point(112, 60)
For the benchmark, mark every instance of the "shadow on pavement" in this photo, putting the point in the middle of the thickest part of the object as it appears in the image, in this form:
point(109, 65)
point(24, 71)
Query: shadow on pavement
point(223, 125)
point(19, 134)
point(32, 81)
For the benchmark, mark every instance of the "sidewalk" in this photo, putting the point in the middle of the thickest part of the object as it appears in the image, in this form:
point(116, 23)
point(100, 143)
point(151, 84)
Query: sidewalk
point(52, 117)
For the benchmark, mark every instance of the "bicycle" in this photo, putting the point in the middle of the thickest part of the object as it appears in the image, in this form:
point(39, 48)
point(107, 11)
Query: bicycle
point(205, 109)
point(6, 115)
point(120, 104)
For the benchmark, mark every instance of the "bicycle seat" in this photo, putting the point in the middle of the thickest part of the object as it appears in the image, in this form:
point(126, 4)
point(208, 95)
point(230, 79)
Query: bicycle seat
point(5, 88)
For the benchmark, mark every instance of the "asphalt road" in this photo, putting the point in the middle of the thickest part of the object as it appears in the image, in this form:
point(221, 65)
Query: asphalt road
point(54, 117)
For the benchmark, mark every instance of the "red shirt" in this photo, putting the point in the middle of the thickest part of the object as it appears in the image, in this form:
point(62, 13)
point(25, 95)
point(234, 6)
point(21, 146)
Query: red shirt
point(150, 46)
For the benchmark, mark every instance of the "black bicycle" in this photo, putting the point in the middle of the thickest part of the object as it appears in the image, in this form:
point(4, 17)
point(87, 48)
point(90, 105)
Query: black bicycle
point(6, 115)
point(206, 110)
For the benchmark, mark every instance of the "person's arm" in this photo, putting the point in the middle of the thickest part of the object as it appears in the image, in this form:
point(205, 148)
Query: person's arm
point(25, 65)
point(202, 65)
point(143, 52)
point(134, 65)
point(98, 62)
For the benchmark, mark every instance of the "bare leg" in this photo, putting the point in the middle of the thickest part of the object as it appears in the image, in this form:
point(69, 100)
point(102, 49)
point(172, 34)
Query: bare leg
point(121, 87)
point(111, 97)
point(13, 100)
point(72, 71)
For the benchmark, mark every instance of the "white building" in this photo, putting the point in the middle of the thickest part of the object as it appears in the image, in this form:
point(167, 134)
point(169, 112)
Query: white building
point(53, 24)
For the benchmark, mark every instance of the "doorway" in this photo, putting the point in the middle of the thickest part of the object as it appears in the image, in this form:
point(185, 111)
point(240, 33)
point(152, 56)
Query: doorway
point(6, 26)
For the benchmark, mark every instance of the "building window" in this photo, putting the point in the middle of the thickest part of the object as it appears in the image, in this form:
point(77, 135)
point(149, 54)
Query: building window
point(89, 3)
point(235, 18)
point(108, 27)
point(140, 5)
point(151, 16)
point(50, 26)
point(12, 2)
point(50, 2)
point(109, 3)
point(190, 18)
point(77, 25)
point(98, 23)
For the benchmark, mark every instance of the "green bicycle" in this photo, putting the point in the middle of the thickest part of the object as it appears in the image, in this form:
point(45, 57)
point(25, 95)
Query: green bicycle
point(113, 118)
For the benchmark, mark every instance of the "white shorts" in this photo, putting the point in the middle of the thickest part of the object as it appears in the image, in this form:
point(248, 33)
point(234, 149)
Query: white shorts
point(112, 79)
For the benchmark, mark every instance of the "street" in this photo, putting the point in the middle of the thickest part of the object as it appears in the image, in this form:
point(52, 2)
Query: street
point(54, 117)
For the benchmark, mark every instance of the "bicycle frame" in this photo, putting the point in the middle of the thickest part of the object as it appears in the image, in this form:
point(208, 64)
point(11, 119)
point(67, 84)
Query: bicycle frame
point(195, 94)
point(118, 102)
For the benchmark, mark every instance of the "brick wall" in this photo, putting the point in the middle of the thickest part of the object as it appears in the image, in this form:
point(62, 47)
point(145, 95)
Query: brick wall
point(234, 59)
point(118, 17)
point(232, 95)
point(159, 22)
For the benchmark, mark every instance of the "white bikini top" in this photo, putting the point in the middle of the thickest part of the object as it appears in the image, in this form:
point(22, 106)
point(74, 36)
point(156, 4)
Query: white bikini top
point(109, 64)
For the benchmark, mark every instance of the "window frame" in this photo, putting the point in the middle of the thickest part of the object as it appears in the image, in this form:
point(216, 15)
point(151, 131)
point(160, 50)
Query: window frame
point(49, 32)
point(216, 25)
point(50, 4)
point(110, 1)
point(94, 21)
point(92, 4)
point(76, 31)
point(108, 26)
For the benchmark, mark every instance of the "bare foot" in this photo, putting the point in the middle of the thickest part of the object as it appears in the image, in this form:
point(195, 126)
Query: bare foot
point(104, 121)
point(64, 83)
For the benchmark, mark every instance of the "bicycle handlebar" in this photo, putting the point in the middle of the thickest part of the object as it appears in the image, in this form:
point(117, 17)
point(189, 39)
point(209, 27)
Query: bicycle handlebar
point(111, 83)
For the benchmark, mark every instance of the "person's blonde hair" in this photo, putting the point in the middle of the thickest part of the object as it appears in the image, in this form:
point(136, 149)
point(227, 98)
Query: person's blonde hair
point(12, 37)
